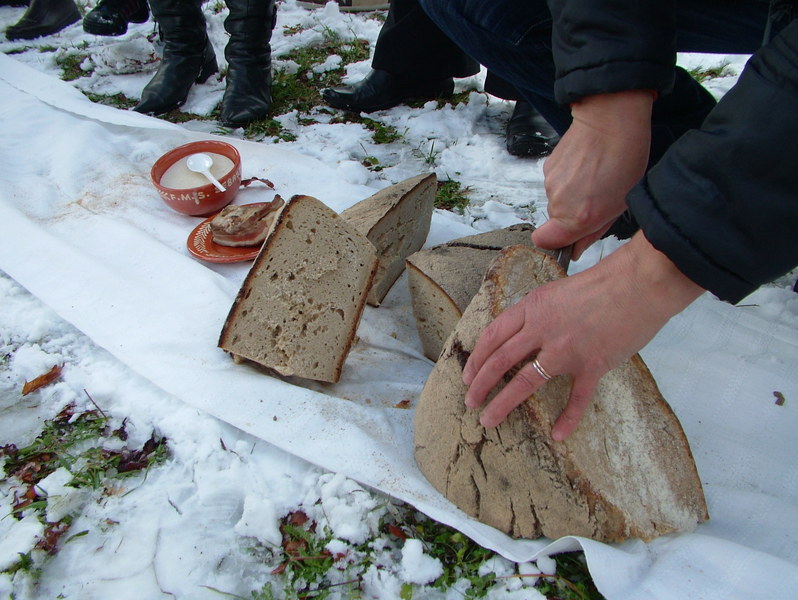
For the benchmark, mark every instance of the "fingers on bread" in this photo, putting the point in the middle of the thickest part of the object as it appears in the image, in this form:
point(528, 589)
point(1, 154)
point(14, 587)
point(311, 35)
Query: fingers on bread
point(626, 472)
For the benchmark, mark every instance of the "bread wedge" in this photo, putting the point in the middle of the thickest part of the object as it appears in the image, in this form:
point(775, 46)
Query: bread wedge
point(444, 278)
point(300, 304)
point(397, 221)
point(627, 471)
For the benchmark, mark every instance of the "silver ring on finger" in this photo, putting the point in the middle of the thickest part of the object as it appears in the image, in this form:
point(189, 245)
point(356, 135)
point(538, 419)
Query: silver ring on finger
point(541, 371)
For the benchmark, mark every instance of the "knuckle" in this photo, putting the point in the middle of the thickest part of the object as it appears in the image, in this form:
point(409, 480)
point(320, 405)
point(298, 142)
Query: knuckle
point(501, 362)
point(491, 333)
point(570, 418)
point(526, 379)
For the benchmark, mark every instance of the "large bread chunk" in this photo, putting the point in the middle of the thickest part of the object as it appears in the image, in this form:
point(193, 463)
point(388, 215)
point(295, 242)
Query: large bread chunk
point(443, 280)
point(627, 471)
point(300, 304)
point(397, 221)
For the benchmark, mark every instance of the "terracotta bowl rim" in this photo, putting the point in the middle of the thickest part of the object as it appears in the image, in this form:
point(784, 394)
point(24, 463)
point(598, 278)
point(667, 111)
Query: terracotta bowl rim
point(175, 154)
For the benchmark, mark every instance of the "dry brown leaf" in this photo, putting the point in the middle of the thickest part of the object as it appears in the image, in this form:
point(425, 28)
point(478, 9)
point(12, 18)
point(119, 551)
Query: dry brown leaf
point(42, 380)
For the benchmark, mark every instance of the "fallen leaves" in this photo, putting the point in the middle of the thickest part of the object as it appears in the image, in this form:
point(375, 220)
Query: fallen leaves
point(42, 380)
point(397, 532)
point(52, 533)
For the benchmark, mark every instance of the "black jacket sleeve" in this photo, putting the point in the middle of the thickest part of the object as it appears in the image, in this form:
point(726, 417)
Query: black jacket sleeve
point(603, 46)
point(722, 204)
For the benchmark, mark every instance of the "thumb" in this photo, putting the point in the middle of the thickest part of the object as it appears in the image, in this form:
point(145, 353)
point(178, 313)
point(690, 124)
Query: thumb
point(553, 235)
point(586, 242)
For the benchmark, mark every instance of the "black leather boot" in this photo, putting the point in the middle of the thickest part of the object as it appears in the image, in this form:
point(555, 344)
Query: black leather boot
point(110, 17)
point(188, 56)
point(528, 134)
point(44, 17)
point(380, 90)
point(248, 88)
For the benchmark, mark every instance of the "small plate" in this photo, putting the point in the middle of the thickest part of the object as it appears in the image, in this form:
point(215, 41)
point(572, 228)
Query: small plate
point(201, 245)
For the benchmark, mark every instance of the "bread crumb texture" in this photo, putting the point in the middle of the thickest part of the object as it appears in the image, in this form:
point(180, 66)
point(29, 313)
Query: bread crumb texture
point(298, 309)
point(626, 472)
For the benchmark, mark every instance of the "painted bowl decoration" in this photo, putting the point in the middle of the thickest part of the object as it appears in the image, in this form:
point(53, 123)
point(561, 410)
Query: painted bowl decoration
point(189, 192)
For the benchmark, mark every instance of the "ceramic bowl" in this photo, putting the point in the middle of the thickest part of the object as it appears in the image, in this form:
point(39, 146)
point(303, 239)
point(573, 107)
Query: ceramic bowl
point(205, 199)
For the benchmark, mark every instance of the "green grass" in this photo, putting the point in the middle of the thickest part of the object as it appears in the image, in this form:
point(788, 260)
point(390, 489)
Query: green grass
point(70, 66)
point(304, 565)
point(301, 90)
point(380, 132)
point(451, 196)
point(268, 128)
point(702, 74)
point(116, 100)
point(75, 441)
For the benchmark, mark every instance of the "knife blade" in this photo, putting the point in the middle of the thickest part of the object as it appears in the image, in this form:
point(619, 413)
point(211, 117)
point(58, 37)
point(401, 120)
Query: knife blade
point(563, 256)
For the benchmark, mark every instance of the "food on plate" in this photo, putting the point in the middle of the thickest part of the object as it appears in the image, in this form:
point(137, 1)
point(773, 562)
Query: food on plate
point(444, 278)
point(627, 470)
point(299, 307)
point(245, 225)
point(396, 220)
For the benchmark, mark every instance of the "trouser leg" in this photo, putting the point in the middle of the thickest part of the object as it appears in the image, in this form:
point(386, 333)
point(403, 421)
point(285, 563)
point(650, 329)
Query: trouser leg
point(410, 45)
point(491, 31)
point(512, 39)
point(247, 95)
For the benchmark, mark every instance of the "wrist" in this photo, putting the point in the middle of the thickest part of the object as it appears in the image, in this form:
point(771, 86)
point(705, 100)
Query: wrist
point(657, 279)
point(620, 112)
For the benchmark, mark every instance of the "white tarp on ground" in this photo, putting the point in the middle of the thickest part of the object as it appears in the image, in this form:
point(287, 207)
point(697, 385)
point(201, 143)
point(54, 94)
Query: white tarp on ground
point(82, 229)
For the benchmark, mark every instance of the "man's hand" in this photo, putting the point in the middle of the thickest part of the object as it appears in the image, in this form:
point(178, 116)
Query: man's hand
point(583, 326)
point(599, 159)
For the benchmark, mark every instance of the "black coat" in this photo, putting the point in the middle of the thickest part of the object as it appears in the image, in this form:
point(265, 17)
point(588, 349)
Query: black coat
point(722, 203)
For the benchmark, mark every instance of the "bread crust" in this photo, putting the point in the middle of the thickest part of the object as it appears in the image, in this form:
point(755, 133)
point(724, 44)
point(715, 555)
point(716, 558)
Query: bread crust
point(397, 221)
point(626, 472)
point(444, 278)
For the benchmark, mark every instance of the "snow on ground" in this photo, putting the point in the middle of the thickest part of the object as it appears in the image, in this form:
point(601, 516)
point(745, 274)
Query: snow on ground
point(201, 525)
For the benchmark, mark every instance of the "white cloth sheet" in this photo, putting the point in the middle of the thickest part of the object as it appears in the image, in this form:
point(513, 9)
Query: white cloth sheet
point(82, 228)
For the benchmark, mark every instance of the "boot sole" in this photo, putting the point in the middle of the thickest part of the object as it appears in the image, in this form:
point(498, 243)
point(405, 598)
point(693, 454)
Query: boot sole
point(97, 29)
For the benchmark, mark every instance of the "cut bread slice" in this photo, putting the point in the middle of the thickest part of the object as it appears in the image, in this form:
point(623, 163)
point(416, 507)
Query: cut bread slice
point(300, 304)
point(444, 278)
point(627, 470)
point(397, 221)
